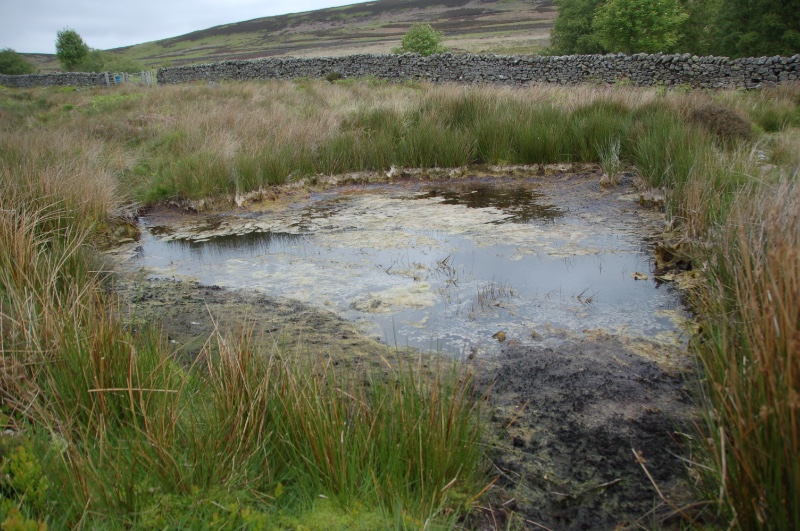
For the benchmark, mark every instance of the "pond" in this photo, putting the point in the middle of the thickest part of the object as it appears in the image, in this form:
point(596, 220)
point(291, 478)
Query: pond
point(461, 266)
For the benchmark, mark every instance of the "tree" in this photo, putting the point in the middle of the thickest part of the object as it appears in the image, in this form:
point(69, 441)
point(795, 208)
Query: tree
point(421, 39)
point(632, 26)
point(572, 30)
point(70, 49)
point(94, 61)
point(758, 27)
point(14, 64)
point(697, 32)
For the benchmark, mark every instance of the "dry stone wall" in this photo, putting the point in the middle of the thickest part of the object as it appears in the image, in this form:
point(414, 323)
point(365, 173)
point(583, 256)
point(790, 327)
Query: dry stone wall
point(58, 79)
point(639, 69)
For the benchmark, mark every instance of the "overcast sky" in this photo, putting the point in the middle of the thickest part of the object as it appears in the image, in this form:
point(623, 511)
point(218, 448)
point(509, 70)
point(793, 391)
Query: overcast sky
point(30, 26)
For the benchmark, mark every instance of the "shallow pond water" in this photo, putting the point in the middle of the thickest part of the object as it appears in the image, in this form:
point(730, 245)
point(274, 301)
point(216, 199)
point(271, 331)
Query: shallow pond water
point(448, 266)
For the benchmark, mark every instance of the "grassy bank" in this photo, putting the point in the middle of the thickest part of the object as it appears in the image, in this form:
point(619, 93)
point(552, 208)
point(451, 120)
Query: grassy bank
point(121, 434)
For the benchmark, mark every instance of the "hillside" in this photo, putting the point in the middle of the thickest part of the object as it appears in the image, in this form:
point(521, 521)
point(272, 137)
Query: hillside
point(474, 26)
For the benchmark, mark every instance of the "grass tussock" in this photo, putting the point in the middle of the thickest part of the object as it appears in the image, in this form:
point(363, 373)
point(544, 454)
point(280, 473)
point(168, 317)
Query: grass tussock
point(752, 358)
point(122, 435)
point(127, 435)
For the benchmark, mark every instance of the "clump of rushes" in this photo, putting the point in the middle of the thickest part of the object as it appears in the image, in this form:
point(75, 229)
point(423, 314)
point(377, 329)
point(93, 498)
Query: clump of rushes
point(132, 433)
point(610, 162)
point(752, 358)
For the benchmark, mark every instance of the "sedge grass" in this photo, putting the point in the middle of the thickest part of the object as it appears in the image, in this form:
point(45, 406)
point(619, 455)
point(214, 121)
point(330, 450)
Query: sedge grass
point(752, 358)
point(131, 429)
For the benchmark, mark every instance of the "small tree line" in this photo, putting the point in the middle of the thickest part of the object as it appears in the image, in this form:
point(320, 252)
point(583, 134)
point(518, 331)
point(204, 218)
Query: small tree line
point(732, 28)
point(73, 54)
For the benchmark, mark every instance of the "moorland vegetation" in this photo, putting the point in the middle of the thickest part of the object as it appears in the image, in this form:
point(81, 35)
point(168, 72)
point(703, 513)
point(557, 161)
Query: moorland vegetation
point(112, 430)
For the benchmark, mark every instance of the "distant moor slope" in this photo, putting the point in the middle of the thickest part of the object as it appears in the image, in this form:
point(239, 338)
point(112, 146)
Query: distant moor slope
point(475, 26)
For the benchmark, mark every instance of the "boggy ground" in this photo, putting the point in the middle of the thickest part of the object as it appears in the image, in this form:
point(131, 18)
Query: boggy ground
point(564, 421)
point(190, 313)
point(567, 421)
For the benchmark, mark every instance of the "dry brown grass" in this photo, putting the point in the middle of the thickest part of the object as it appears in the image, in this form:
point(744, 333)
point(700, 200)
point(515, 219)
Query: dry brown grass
point(753, 358)
point(62, 164)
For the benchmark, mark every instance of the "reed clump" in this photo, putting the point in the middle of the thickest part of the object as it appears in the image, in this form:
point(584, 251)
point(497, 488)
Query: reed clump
point(752, 357)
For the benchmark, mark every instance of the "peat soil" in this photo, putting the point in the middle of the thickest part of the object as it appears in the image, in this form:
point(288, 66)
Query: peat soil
point(190, 313)
point(569, 423)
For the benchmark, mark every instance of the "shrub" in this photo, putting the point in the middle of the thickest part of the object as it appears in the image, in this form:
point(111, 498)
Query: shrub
point(421, 39)
point(94, 61)
point(22, 476)
point(123, 64)
point(14, 64)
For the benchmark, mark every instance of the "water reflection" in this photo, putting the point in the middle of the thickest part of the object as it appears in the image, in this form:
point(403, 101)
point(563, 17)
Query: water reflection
point(523, 204)
point(253, 243)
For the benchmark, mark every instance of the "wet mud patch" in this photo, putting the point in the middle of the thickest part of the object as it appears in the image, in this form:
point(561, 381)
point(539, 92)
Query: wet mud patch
point(189, 313)
point(523, 204)
point(567, 421)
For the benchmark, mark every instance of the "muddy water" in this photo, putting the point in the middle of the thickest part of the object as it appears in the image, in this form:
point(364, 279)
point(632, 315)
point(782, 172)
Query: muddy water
point(462, 266)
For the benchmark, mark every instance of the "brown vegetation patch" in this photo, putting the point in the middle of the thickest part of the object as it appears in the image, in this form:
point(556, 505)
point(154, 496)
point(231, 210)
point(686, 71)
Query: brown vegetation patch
point(724, 122)
point(374, 27)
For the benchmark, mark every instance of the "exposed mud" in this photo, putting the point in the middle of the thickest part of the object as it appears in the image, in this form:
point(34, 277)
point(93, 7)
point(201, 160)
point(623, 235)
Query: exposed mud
point(566, 416)
point(567, 422)
point(189, 313)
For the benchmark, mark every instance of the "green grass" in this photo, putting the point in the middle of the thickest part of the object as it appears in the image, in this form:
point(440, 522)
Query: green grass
point(437, 128)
